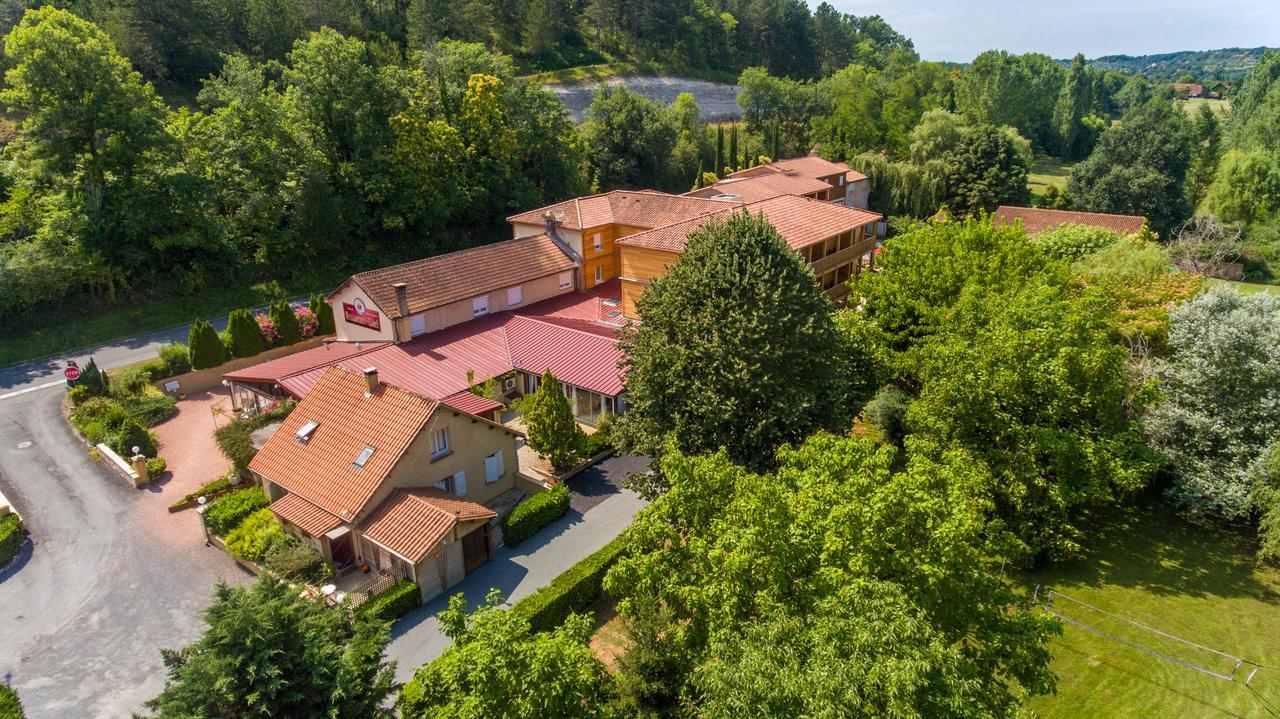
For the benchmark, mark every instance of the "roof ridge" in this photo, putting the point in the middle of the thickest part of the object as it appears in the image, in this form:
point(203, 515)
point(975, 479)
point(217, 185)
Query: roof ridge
point(558, 326)
point(1065, 212)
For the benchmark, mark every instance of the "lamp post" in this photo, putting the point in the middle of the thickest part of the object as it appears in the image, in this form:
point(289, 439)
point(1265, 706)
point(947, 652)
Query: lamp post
point(204, 504)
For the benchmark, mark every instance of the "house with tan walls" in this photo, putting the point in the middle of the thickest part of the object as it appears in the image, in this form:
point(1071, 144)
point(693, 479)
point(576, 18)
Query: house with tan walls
point(809, 176)
point(375, 476)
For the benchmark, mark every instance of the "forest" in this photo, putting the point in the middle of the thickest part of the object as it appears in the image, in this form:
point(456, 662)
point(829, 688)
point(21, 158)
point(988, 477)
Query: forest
point(281, 145)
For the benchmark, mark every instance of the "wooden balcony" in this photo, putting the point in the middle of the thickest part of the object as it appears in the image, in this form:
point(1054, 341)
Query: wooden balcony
point(841, 257)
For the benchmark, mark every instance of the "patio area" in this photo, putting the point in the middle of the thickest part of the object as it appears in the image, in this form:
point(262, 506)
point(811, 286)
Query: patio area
point(187, 444)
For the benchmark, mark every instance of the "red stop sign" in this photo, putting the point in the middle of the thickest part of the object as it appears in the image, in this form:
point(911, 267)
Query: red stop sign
point(71, 373)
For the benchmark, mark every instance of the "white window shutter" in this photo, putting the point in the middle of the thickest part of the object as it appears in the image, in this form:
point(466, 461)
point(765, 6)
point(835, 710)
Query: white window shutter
point(493, 467)
point(460, 483)
point(417, 325)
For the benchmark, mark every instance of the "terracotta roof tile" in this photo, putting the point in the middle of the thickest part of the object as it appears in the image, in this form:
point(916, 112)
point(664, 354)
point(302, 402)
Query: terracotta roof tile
point(635, 208)
point(762, 187)
point(322, 469)
point(442, 279)
point(801, 221)
point(1036, 220)
point(412, 521)
point(304, 515)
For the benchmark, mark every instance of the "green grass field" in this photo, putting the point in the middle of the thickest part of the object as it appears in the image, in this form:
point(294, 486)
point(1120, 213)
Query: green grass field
point(1046, 171)
point(1198, 583)
point(1219, 106)
point(1248, 288)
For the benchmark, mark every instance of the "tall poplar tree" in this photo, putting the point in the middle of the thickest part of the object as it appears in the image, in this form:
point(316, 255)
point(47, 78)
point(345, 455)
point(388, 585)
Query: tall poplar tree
point(1068, 115)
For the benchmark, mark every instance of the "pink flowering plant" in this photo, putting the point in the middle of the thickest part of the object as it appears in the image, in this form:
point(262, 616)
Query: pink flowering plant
point(307, 322)
point(268, 329)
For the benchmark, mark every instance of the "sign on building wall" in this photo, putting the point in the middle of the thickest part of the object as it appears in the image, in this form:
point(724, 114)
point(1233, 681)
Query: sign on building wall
point(358, 314)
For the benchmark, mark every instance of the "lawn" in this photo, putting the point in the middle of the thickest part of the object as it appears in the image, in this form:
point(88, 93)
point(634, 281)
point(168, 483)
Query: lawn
point(1220, 107)
point(1046, 171)
point(1148, 565)
point(1248, 288)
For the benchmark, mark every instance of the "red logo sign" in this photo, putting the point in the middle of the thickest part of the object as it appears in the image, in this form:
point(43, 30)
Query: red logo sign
point(71, 373)
point(358, 314)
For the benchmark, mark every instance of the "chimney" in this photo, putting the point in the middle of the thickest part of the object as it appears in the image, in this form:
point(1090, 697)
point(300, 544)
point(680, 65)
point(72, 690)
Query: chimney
point(550, 217)
point(568, 250)
point(370, 381)
point(402, 298)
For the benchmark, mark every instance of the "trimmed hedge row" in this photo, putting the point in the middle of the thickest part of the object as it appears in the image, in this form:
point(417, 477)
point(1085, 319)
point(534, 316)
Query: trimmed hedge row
point(534, 513)
point(573, 591)
point(388, 606)
point(11, 537)
point(228, 511)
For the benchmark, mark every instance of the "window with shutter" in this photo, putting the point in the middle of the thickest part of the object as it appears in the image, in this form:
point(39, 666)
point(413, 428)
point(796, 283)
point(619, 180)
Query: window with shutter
point(417, 325)
point(493, 466)
point(515, 295)
point(460, 483)
point(480, 305)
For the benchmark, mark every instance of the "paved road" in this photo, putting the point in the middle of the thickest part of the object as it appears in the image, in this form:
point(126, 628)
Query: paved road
point(108, 580)
point(599, 510)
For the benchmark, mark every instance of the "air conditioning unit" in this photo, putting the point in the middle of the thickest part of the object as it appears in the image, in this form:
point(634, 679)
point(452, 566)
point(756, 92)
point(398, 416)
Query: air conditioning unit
point(508, 384)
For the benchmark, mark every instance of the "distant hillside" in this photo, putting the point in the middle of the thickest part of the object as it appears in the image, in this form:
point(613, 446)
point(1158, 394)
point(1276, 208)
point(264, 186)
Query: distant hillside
point(1225, 64)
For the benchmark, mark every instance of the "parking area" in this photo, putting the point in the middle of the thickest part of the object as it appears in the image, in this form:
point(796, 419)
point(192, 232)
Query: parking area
point(187, 443)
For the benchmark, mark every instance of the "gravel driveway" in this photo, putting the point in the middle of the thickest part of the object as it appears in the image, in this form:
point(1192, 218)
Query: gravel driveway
point(717, 100)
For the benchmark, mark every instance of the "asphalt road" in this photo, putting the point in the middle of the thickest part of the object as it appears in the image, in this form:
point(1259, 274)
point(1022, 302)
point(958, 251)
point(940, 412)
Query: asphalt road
point(108, 579)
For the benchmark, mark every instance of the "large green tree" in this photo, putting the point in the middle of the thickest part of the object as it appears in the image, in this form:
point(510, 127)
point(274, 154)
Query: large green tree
point(986, 170)
point(760, 573)
point(1138, 167)
point(553, 432)
point(268, 652)
point(498, 667)
point(1074, 103)
point(629, 140)
point(736, 348)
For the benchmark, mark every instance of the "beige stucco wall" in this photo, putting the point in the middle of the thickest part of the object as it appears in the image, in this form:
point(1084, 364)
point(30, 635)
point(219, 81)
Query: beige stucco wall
point(461, 311)
point(353, 332)
point(471, 440)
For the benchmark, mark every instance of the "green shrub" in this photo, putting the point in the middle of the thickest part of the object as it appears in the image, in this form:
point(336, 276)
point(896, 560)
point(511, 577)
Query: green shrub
point(10, 706)
point(94, 431)
point(11, 537)
point(245, 339)
point(99, 417)
point(209, 491)
point(255, 535)
point(133, 434)
point(225, 337)
point(133, 381)
point(78, 394)
point(150, 408)
point(323, 312)
point(235, 438)
point(156, 467)
point(888, 412)
point(297, 561)
point(175, 359)
point(598, 441)
point(285, 322)
point(1072, 242)
point(227, 512)
point(534, 513)
point(573, 591)
point(394, 603)
point(97, 381)
point(207, 349)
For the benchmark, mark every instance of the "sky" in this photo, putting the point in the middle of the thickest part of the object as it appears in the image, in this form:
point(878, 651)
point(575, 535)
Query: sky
point(958, 30)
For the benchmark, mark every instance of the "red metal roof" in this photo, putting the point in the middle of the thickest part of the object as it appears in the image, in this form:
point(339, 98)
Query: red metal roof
point(315, 358)
point(471, 403)
point(564, 334)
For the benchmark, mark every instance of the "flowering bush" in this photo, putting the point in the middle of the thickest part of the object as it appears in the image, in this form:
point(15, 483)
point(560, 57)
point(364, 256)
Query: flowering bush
point(307, 322)
point(268, 329)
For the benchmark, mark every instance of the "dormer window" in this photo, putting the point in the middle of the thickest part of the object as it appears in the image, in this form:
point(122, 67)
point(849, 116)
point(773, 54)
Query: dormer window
point(305, 431)
point(363, 457)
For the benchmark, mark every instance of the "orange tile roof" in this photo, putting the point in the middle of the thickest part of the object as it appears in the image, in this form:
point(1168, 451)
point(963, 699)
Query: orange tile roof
point(304, 515)
point(801, 221)
point(762, 187)
point(412, 521)
point(807, 166)
point(321, 471)
point(442, 279)
point(1036, 220)
point(634, 208)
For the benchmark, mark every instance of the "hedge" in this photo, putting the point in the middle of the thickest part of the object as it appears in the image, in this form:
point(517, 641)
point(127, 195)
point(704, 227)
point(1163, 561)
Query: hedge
point(215, 488)
point(207, 349)
point(395, 602)
point(227, 512)
point(256, 535)
point(534, 513)
point(10, 706)
point(296, 561)
point(573, 591)
point(11, 537)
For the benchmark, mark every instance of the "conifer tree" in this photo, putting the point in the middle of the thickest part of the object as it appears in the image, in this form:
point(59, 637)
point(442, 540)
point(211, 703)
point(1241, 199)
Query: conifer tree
point(719, 166)
point(286, 323)
point(553, 432)
point(93, 378)
point(246, 338)
point(733, 146)
point(205, 346)
point(323, 312)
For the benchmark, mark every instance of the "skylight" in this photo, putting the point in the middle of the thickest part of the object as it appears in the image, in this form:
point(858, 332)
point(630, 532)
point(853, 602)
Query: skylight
point(304, 432)
point(363, 457)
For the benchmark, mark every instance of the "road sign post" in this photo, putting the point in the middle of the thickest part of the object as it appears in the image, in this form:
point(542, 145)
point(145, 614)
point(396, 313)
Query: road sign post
point(72, 373)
